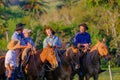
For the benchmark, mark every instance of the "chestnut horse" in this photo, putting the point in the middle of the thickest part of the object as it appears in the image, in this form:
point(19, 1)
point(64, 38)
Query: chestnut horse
point(69, 61)
point(91, 61)
point(36, 61)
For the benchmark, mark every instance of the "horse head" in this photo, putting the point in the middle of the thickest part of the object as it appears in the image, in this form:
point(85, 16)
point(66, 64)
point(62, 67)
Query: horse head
point(73, 53)
point(48, 54)
point(102, 49)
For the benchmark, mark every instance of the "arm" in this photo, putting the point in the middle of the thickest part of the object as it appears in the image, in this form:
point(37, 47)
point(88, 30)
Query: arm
point(8, 59)
point(45, 44)
point(57, 43)
point(8, 68)
point(76, 40)
point(88, 41)
point(14, 36)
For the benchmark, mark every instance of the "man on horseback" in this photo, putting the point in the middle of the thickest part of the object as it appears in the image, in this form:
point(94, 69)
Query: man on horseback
point(18, 35)
point(82, 40)
point(53, 41)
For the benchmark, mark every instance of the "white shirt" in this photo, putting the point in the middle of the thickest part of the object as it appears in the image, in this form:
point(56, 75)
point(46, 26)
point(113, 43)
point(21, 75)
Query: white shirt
point(10, 58)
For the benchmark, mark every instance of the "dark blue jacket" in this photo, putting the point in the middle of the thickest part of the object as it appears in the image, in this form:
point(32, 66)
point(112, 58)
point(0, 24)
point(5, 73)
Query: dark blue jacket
point(82, 38)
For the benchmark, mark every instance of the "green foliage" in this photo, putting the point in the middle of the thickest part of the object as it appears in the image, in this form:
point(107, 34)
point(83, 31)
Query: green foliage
point(3, 44)
point(38, 36)
point(100, 15)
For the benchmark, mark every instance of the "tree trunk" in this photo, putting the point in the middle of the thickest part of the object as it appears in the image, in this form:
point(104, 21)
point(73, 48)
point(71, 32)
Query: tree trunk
point(114, 16)
point(6, 36)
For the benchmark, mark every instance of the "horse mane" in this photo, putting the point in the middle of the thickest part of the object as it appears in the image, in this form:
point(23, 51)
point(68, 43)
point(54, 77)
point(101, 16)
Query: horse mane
point(68, 50)
point(71, 49)
point(94, 47)
point(2, 57)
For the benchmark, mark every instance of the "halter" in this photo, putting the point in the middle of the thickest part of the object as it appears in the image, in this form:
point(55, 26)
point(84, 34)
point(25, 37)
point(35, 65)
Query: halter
point(49, 68)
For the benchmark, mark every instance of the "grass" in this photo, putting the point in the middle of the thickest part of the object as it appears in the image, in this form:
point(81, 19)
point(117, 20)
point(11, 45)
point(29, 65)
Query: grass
point(105, 75)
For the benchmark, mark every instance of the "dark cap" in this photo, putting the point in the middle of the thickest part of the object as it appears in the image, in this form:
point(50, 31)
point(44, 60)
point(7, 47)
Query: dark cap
point(84, 25)
point(19, 26)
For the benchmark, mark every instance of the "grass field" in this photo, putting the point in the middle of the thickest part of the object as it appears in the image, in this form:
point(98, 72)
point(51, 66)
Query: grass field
point(105, 75)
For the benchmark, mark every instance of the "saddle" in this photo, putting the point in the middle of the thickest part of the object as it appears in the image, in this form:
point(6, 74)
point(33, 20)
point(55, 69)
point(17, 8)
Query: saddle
point(27, 57)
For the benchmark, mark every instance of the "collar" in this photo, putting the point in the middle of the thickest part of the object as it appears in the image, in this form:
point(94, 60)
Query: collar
point(16, 32)
point(82, 33)
point(52, 37)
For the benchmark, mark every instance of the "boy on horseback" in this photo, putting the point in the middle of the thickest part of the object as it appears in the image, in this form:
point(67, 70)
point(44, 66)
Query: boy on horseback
point(27, 40)
point(10, 59)
point(82, 40)
point(53, 41)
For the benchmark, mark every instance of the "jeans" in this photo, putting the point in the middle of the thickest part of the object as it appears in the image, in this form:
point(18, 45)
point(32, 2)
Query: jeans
point(14, 75)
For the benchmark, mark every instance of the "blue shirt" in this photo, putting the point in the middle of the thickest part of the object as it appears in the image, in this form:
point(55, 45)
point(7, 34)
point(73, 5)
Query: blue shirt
point(20, 37)
point(82, 38)
point(52, 41)
point(29, 40)
point(10, 58)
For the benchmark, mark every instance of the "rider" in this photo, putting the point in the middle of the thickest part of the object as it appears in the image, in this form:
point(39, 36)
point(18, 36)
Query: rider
point(82, 40)
point(27, 40)
point(10, 59)
point(53, 41)
point(18, 35)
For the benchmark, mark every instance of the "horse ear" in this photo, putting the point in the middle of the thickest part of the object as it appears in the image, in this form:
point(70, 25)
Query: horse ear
point(48, 46)
point(67, 52)
point(104, 40)
point(43, 55)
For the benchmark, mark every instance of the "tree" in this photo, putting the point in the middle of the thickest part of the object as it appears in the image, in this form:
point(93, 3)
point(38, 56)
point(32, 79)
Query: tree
point(110, 16)
point(67, 3)
point(35, 7)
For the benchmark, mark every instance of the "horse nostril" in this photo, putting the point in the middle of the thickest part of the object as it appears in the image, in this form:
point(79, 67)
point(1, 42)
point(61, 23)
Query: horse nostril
point(75, 55)
point(55, 65)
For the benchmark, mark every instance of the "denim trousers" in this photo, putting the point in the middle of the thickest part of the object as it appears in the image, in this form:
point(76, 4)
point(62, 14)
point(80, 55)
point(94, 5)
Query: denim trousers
point(13, 75)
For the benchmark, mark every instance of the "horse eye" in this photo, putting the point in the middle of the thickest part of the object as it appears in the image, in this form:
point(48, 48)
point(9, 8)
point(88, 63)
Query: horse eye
point(74, 55)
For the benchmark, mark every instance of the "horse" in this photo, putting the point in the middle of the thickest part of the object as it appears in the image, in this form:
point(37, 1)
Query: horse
point(91, 61)
point(69, 61)
point(2, 68)
point(33, 68)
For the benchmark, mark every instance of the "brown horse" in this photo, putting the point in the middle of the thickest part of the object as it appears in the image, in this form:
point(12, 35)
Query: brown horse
point(69, 61)
point(2, 68)
point(34, 66)
point(91, 61)
point(92, 64)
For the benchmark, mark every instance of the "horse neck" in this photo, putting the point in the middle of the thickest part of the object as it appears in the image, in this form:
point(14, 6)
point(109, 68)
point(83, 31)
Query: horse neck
point(65, 59)
point(94, 56)
point(36, 58)
point(42, 55)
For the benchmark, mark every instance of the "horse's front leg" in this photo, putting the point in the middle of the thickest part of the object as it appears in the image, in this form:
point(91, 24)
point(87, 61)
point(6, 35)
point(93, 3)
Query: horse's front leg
point(81, 77)
point(87, 76)
point(95, 77)
point(72, 75)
